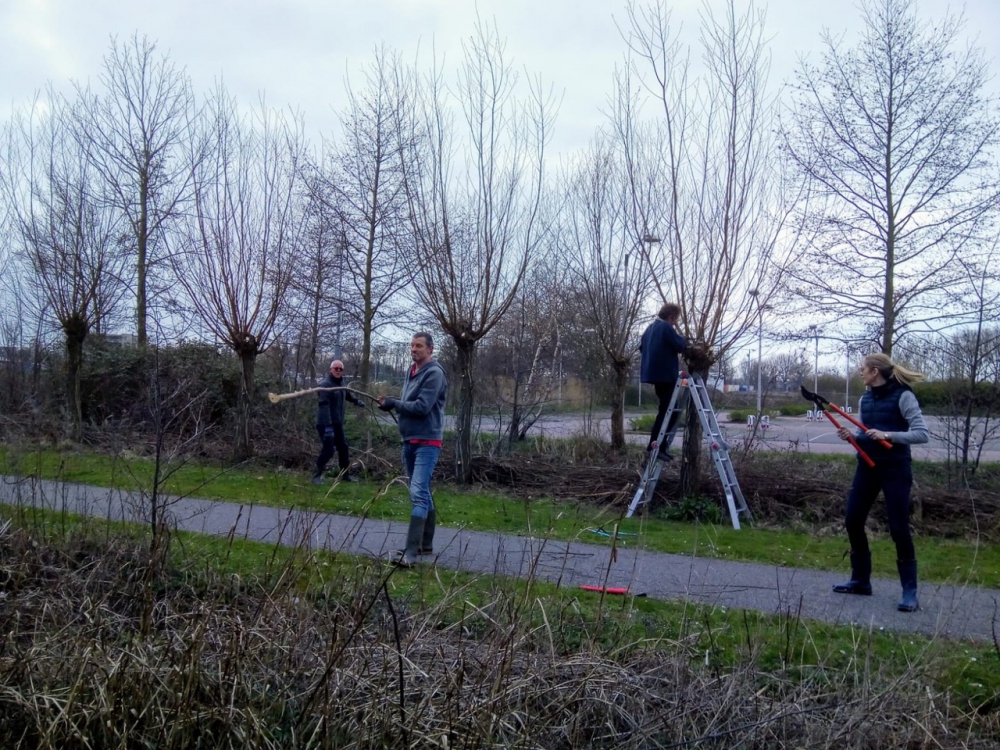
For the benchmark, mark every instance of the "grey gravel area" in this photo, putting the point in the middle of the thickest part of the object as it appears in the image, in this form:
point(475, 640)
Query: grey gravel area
point(962, 612)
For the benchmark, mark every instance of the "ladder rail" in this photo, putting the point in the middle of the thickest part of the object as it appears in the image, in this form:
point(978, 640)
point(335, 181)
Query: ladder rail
point(691, 389)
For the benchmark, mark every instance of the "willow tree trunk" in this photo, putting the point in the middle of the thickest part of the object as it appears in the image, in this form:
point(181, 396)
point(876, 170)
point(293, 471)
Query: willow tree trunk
point(690, 471)
point(244, 405)
point(619, 381)
point(76, 333)
point(466, 402)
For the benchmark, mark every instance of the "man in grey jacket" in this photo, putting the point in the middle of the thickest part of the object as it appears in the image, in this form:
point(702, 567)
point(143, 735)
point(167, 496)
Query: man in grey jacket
point(421, 425)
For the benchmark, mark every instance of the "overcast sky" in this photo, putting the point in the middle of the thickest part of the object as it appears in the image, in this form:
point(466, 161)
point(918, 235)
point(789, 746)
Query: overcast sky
point(299, 52)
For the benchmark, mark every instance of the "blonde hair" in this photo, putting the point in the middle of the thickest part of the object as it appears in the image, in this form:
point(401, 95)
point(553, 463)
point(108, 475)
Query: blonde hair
point(889, 369)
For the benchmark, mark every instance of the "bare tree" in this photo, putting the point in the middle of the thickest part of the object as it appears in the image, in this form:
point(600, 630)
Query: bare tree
point(968, 362)
point(474, 209)
point(366, 181)
point(524, 357)
point(69, 239)
point(704, 174)
point(605, 260)
point(895, 139)
point(245, 234)
point(136, 132)
point(315, 298)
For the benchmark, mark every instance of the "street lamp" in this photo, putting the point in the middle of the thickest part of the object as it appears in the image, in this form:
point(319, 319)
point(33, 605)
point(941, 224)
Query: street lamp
point(847, 378)
point(760, 345)
point(646, 239)
point(815, 331)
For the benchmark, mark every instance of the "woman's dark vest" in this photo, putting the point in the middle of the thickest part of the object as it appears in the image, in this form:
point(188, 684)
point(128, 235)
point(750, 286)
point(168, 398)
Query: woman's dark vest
point(880, 411)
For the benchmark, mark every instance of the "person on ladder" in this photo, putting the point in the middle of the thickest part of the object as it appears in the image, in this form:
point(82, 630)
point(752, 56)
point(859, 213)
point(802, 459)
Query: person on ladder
point(660, 348)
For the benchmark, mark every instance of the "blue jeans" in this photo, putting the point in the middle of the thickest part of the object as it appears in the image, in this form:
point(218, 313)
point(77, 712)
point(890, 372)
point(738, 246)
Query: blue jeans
point(419, 461)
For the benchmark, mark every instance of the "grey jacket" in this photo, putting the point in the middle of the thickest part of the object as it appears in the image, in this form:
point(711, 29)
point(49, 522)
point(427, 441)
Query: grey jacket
point(421, 405)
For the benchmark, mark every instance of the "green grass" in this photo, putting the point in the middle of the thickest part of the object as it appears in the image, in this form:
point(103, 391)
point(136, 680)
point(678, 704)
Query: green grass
point(956, 562)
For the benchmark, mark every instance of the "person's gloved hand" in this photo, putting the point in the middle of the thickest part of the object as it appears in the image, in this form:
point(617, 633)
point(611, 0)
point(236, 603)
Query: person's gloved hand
point(328, 431)
point(360, 404)
point(385, 404)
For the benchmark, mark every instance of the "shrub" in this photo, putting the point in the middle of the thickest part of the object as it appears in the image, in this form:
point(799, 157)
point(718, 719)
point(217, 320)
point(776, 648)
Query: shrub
point(643, 423)
point(795, 410)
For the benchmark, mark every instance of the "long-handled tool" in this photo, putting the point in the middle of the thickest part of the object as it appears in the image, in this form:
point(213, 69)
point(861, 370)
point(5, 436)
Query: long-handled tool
point(275, 398)
point(826, 407)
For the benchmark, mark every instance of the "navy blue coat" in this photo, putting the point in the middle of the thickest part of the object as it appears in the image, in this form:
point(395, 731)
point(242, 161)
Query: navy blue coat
point(330, 404)
point(660, 347)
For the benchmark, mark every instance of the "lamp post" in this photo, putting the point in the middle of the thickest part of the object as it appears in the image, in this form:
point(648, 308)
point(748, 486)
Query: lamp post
point(847, 378)
point(338, 348)
point(815, 331)
point(760, 346)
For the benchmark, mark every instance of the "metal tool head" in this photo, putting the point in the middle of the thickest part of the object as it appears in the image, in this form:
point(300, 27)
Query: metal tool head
point(814, 397)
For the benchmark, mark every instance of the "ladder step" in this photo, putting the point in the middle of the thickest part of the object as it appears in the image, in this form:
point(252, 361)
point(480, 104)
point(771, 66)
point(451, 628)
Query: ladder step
point(692, 387)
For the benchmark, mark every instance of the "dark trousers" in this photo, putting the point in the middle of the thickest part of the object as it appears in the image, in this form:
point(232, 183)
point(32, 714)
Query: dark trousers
point(664, 391)
point(330, 443)
point(894, 480)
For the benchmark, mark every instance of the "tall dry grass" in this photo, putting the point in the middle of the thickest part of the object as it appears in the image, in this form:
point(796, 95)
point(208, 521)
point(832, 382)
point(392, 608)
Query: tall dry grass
point(313, 657)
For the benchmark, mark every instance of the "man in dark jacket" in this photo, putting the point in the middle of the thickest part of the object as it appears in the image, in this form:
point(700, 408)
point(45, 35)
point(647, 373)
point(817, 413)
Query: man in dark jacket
point(421, 426)
point(330, 423)
point(661, 345)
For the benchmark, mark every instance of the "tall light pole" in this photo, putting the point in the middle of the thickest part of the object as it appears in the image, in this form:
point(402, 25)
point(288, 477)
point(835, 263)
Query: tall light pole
point(760, 346)
point(847, 378)
point(338, 348)
point(760, 349)
point(815, 330)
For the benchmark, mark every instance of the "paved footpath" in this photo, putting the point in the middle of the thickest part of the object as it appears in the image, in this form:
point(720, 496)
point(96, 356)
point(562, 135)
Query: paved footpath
point(952, 611)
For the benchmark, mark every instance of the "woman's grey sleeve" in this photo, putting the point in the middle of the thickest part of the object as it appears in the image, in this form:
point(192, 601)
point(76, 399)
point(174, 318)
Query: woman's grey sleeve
point(910, 410)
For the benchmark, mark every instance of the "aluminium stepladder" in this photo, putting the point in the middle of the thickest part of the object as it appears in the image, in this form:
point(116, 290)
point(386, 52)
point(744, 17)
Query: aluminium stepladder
point(690, 389)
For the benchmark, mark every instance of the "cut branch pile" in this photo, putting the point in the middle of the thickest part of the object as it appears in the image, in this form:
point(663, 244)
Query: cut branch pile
point(777, 490)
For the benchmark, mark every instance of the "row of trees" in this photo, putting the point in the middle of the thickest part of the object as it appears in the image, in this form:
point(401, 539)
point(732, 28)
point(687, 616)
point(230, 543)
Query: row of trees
point(865, 199)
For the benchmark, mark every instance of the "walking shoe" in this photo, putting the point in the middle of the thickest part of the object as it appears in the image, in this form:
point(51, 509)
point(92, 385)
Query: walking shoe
point(861, 576)
point(853, 587)
point(318, 479)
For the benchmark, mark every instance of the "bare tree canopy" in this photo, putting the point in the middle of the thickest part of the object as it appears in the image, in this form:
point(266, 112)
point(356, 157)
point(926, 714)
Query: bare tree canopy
point(704, 178)
point(136, 131)
point(703, 172)
point(610, 281)
point(366, 186)
point(895, 139)
point(66, 234)
point(474, 202)
point(243, 238)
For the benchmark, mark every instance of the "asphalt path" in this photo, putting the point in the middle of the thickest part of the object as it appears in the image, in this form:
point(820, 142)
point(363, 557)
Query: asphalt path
point(951, 611)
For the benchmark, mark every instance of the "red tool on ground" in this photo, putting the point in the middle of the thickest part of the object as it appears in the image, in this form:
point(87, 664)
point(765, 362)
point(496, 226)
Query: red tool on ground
point(825, 406)
point(608, 590)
